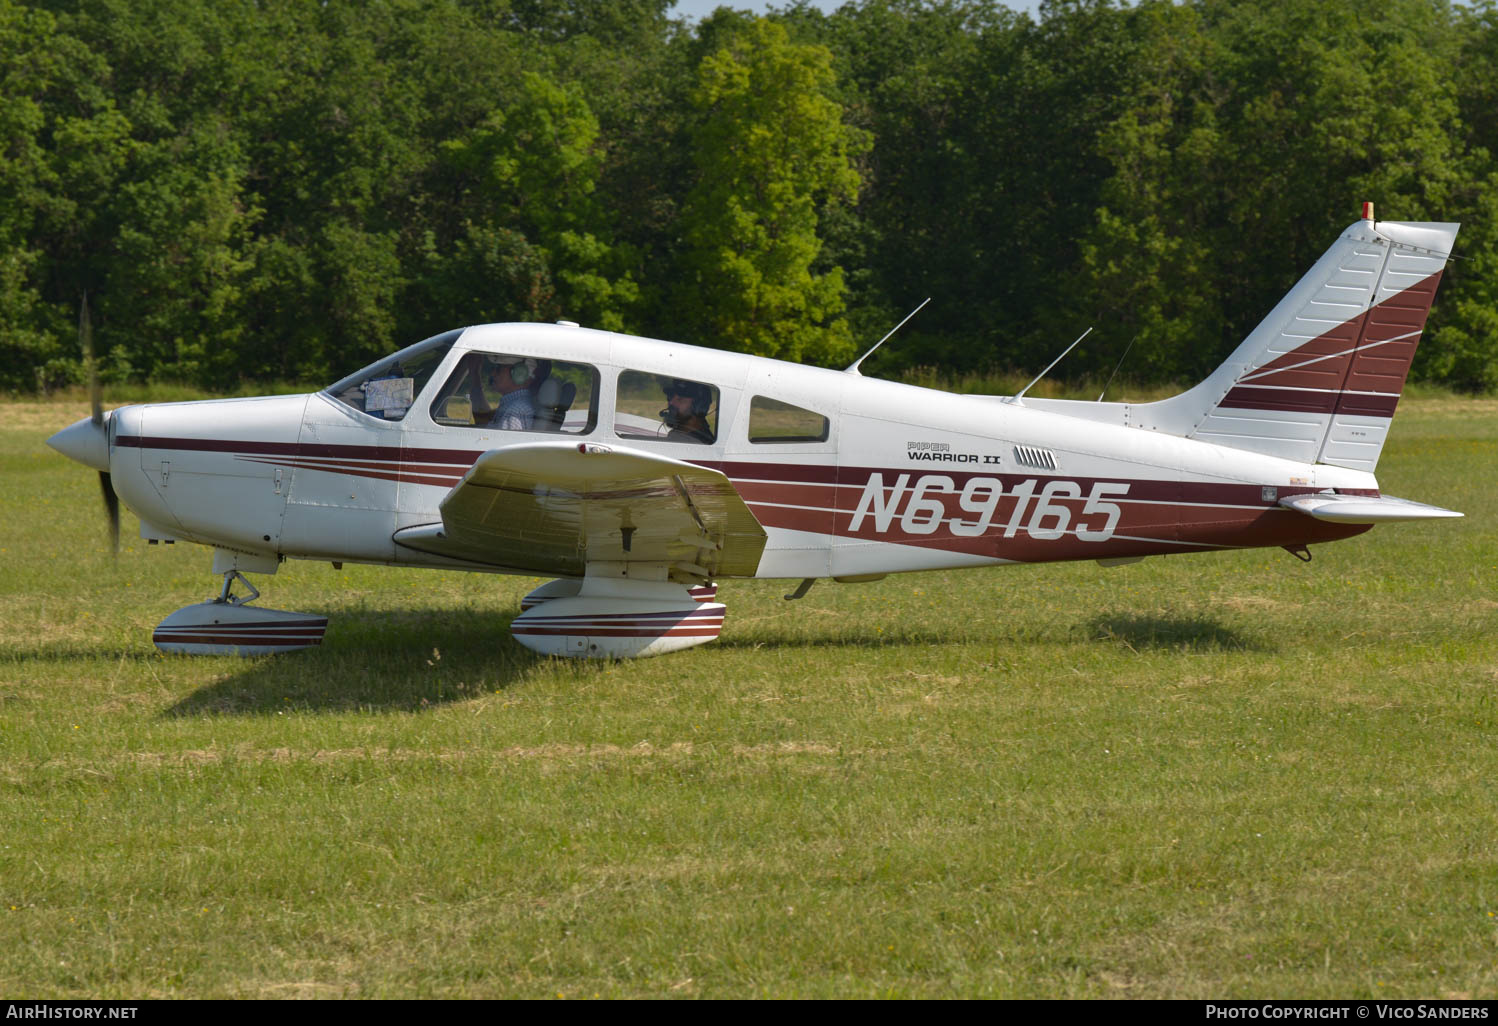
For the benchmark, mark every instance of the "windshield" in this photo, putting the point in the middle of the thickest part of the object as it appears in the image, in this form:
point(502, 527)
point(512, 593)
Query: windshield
point(388, 388)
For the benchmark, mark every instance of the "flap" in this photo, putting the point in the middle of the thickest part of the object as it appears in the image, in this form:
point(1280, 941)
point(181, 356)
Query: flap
point(554, 507)
point(1363, 509)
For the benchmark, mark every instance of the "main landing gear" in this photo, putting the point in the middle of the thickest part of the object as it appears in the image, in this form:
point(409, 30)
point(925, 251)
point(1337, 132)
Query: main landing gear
point(612, 615)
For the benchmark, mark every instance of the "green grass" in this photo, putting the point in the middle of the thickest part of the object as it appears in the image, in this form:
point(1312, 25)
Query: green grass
point(1211, 775)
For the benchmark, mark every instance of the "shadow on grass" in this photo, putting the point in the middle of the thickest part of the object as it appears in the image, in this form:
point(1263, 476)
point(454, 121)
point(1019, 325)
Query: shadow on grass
point(375, 660)
point(896, 632)
point(893, 638)
point(1176, 633)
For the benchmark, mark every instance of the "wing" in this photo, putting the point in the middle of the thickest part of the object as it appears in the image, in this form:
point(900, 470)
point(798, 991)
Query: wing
point(1363, 509)
point(554, 507)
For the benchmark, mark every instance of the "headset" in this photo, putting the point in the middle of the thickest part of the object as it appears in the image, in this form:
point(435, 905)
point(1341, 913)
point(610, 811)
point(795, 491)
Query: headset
point(520, 371)
point(700, 394)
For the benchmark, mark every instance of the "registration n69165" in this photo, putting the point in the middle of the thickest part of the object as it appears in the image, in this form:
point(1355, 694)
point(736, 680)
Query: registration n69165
point(1042, 511)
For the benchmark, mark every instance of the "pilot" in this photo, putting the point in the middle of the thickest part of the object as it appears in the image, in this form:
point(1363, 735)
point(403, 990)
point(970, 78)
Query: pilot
point(687, 406)
point(509, 376)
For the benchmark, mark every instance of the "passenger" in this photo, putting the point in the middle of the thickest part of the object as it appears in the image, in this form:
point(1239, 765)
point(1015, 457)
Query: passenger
point(687, 406)
point(508, 375)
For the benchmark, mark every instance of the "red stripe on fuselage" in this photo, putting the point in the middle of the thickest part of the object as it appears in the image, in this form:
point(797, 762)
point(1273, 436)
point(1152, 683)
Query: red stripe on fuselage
point(1158, 516)
point(396, 453)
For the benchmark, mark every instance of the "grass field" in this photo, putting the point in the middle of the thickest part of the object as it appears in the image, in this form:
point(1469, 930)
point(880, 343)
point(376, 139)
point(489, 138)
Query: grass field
point(1210, 775)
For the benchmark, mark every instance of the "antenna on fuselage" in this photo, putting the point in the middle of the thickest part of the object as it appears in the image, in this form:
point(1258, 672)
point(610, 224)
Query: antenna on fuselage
point(1021, 393)
point(853, 368)
point(1121, 359)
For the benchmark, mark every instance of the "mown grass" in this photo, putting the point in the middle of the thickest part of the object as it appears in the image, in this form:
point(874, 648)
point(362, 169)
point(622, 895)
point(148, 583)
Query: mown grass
point(1216, 775)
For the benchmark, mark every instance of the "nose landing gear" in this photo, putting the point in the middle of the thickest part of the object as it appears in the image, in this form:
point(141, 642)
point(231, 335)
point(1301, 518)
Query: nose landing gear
point(228, 596)
point(229, 625)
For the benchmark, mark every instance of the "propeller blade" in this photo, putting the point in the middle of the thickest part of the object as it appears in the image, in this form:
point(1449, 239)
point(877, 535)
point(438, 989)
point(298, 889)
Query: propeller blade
point(86, 340)
point(112, 509)
point(96, 407)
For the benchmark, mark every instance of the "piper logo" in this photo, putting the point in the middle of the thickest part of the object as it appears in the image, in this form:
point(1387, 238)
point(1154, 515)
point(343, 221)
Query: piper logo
point(922, 507)
point(941, 452)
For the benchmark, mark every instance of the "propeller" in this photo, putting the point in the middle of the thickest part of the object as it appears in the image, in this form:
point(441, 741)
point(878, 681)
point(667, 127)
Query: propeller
point(96, 404)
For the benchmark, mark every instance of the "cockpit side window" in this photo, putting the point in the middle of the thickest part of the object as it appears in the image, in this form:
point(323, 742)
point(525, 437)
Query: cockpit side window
point(388, 388)
point(690, 412)
point(772, 422)
point(518, 393)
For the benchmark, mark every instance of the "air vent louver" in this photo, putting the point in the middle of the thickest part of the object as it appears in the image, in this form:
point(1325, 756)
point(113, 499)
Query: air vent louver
point(1040, 459)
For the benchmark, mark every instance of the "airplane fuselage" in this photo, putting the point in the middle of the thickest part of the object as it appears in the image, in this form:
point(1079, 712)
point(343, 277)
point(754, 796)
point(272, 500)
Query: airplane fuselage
point(849, 476)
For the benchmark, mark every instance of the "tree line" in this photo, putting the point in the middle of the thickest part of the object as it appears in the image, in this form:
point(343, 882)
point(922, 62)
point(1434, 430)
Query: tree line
point(285, 190)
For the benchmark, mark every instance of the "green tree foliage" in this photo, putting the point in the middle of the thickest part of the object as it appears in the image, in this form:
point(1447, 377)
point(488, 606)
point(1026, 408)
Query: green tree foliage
point(771, 150)
point(25, 181)
point(1462, 349)
point(274, 189)
point(1254, 138)
point(912, 72)
point(529, 174)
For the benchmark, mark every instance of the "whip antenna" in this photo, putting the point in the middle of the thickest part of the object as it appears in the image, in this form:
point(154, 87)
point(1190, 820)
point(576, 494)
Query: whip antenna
point(1021, 393)
point(853, 369)
point(1121, 359)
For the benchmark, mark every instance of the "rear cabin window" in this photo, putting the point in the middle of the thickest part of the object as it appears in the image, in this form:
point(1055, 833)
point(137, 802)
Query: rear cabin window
point(518, 393)
point(773, 422)
point(388, 388)
point(661, 408)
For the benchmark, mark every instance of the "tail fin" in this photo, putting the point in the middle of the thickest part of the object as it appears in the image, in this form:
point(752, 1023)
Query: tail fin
point(1317, 381)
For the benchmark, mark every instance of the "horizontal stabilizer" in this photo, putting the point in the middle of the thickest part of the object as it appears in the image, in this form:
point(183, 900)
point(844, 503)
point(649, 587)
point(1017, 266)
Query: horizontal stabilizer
point(1364, 509)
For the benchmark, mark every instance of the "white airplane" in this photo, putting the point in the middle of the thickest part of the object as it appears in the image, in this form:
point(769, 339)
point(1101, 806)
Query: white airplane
point(639, 472)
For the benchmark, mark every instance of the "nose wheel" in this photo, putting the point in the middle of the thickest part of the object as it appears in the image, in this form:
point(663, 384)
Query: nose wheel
point(228, 625)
